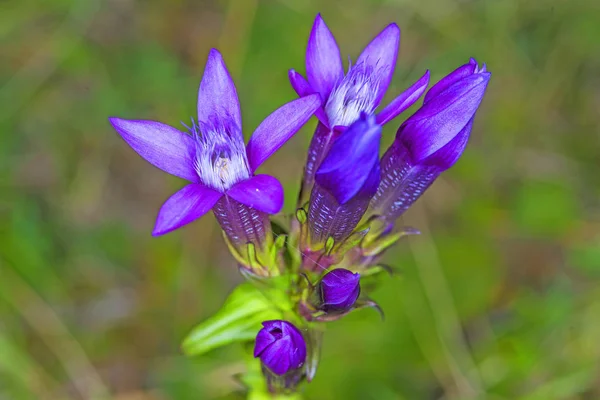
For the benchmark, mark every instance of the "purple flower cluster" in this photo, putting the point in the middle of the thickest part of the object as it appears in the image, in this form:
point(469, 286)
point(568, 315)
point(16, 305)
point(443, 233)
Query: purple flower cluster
point(350, 199)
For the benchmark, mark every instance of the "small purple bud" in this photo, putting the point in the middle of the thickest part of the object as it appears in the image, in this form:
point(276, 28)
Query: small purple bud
point(431, 140)
point(280, 346)
point(339, 290)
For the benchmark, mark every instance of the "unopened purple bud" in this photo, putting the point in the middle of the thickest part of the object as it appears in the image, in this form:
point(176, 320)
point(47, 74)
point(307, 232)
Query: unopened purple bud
point(280, 346)
point(339, 290)
point(438, 132)
point(431, 140)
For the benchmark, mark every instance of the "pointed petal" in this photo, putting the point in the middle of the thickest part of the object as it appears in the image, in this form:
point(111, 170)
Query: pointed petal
point(185, 206)
point(303, 88)
point(404, 100)
point(323, 62)
point(461, 72)
point(217, 95)
point(437, 122)
point(263, 340)
point(262, 192)
point(299, 83)
point(161, 145)
point(278, 127)
point(380, 55)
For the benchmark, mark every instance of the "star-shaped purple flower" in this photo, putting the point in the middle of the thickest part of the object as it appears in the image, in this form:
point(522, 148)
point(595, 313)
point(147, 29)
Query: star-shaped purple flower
point(213, 157)
point(360, 90)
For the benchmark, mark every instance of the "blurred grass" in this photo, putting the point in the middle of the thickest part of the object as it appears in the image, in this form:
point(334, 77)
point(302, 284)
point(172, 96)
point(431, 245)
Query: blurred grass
point(499, 298)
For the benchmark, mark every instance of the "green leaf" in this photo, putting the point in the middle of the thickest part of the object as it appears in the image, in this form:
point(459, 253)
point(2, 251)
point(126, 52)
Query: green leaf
point(238, 320)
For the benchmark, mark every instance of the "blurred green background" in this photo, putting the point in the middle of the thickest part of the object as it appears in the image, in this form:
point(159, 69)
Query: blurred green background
point(499, 298)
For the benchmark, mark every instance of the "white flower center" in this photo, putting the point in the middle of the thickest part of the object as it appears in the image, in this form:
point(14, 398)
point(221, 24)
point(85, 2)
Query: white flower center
point(355, 93)
point(220, 159)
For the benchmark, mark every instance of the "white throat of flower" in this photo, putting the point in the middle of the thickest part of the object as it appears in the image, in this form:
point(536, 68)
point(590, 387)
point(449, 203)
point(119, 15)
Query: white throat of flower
point(354, 94)
point(220, 160)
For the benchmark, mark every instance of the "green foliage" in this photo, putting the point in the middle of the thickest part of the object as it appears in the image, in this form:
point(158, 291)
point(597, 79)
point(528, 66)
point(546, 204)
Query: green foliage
point(238, 320)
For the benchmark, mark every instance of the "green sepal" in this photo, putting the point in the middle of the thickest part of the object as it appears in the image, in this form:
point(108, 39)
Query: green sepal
point(301, 215)
point(329, 245)
point(352, 241)
point(238, 320)
point(314, 339)
point(379, 245)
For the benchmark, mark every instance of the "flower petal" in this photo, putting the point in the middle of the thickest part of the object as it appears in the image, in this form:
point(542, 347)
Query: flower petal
point(277, 356)
point(448, 155)
point(303, 88)
point(262, 192)
point(437, 122)
point(350, 163)
point(456, 75)
point(299, 83)
point(185, 206)
point(404, 100)
point(278, 127)
point(263, 340)
point(323, 61)
point(381, 55)
point(161, 145)
point(217, 95)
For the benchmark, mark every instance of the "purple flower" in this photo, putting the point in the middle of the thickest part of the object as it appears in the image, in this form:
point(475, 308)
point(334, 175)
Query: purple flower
point(345, 96)
point(213, 158)
point(280, 346)
point(339, 290)
point(431, 140)
point(345, 182)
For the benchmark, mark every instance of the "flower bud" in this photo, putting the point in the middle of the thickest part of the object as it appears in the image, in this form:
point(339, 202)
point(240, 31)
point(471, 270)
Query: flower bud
point(345, 182)
point(339, 290)
point(281, 347)
point(431, 140)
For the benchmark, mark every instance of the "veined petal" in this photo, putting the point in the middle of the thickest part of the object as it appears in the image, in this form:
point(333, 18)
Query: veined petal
point(217, 95)
point(185, 206)
point(404, 100)
point(278, 127)
point(323, 61)
point(262, 192)
point(161, 145)
point(380, 55)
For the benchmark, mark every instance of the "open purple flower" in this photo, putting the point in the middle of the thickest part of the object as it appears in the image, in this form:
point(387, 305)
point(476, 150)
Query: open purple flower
point(431, 140)
point(280, 346)
point(339, 290)
point(360, 90)
point(345, 182)
point(345, 96)
point(213, 158)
